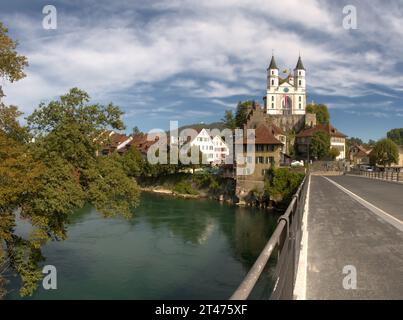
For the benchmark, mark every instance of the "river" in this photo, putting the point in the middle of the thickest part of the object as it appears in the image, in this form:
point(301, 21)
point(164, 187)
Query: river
point(171, 249)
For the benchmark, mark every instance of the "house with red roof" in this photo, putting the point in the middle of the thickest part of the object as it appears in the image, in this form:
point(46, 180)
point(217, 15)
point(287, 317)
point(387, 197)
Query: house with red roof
point(337, 139)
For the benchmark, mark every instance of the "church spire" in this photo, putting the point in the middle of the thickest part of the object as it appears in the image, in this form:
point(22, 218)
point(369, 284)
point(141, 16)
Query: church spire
point(273, 64)
point(300, 65)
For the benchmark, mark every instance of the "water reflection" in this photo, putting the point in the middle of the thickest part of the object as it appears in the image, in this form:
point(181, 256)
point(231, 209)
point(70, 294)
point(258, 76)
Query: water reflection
point(170, 249)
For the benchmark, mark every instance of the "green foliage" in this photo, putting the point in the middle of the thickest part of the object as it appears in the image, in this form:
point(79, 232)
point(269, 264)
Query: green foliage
point(229, 120)
point(334, 153)
point(396, 135)
point(11, 63)
point(46, 181)
point(184, 187)
point(242, 111)
point(384, 153)
point(132, 162)
point(320, 145)
point(281, 184)
point(321, 111)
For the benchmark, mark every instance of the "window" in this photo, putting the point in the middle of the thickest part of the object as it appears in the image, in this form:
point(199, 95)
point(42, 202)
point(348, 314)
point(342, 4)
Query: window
point(272, 105)
point(259, 159)
point(272, 98)
point(299, 72)
point(300, 82)
point(272, 82)
point(300, 106)
point(300, 98)
point(272, 72)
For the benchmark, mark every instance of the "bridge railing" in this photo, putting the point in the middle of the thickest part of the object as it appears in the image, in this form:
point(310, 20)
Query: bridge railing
point(284, 246)
point(396, 176)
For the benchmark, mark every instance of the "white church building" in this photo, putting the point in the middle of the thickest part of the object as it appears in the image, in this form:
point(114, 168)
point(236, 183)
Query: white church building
point(285, 96)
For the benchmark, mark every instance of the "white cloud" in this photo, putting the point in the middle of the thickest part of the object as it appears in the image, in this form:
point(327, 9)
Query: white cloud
point(207, 49)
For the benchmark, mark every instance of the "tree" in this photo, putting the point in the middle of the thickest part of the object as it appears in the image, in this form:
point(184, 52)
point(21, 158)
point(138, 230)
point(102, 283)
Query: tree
point(242, 111)
point(371, 143)
point(334, 153)
point(11, 63)
point(320, 145)
point(384, 153)
point(321, 111)
point(281, 184)
point(229, 120)
point(46, 181)
point(136, 130)
point(396, 135)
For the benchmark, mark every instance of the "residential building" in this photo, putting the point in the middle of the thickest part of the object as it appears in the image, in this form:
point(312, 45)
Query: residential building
point(213, 147)
point(359, 155)
point(337, 140)
point(267, 153)
point(112, 141)
point(221, 149)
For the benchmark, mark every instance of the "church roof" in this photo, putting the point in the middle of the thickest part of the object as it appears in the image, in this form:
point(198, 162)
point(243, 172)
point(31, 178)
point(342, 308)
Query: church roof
point(300, 65)
point(273, 64)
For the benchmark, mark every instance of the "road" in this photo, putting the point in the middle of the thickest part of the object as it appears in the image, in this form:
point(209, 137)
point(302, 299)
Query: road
point(356, 223)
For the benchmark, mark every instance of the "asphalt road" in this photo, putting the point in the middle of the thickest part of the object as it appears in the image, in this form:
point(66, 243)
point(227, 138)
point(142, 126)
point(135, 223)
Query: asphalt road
point(342, 232)
point(385, 195)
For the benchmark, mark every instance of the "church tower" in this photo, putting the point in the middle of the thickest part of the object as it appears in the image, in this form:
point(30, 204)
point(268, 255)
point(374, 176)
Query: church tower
point(272, 84)
point(286, 96)
point(300, 87)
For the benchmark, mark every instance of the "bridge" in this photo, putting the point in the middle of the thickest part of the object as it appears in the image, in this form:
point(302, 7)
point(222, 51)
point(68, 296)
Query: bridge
point(340, 238)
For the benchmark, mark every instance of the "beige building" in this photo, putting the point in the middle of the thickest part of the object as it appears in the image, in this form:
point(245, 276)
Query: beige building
point(337, 139)
point(359, 155)
point(267, 152)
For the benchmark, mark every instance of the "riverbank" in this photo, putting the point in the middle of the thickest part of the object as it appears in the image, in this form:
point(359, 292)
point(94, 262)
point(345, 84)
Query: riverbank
point(169, 192)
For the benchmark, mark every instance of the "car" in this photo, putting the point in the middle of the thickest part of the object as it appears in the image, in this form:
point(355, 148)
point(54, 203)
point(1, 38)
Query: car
point(296, 163)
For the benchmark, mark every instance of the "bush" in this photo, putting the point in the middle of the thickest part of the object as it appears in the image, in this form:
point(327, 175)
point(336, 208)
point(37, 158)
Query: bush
point(184, 187)
point(281, 184)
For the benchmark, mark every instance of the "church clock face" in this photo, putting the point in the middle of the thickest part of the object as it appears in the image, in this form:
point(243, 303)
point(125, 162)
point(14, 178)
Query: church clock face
point(286, 90)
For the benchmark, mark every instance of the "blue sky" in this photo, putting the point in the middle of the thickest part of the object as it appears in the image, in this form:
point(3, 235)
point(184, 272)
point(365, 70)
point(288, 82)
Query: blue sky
point(191, 60)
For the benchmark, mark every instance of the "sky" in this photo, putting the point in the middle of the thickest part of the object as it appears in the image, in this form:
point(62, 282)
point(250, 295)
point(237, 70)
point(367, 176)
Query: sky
point(189, 61)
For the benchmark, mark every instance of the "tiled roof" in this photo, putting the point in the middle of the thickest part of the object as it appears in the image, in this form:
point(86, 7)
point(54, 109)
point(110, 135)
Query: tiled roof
point(276, 130)
point(327, 128)
point(263, 135)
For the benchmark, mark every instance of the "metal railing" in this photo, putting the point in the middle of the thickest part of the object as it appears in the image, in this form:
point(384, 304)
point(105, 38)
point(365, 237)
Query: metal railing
point(285, 242)
point(395, 176)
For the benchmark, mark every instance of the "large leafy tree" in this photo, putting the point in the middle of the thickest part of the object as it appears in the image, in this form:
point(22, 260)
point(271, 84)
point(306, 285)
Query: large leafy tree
point(396, 135)
point(321, 111)
point(242, 111)
point(229, 120)
point(384, 153)
point(19, 174)
point(232, 121)
point(11, 63)
point(319, 145)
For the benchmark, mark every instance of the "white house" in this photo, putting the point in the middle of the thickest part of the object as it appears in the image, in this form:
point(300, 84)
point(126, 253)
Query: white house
point(221, 149)
point(214, 148)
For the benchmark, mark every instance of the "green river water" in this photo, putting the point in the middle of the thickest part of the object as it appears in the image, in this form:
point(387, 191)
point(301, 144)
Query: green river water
point(171, 249)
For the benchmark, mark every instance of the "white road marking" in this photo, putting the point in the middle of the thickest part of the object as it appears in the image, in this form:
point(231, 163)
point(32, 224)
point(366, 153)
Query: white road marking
point(300, 282)
point(379, 212)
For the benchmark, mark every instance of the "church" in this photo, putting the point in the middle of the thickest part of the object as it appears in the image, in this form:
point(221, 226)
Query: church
point(285, 96)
